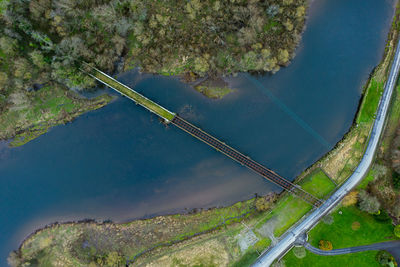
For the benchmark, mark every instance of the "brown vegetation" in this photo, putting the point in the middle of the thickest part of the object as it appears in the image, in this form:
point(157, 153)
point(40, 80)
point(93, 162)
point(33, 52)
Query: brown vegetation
point(350, 199)
point(325, 245)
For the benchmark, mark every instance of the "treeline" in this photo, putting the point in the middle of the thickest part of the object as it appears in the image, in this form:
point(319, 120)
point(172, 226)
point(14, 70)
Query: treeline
point(45, 40)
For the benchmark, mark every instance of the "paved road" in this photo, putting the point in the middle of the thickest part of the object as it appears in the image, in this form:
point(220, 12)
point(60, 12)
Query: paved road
point(341, 251)
point(287, 240)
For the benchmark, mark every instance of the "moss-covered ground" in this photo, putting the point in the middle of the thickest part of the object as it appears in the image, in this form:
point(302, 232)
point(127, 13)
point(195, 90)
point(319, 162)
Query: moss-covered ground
point(33, 113)
point(289, 209)
point(213, 92)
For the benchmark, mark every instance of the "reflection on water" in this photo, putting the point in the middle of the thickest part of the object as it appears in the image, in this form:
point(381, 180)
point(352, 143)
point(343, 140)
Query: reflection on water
point(120, 162)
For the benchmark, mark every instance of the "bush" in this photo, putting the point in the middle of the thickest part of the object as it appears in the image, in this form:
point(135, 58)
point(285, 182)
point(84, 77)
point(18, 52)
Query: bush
point(368, 203)
point(383, 216)
point(397, 231)
point(325, 245)
point(350, 199)
point(299, 252)
point(265, 203)
point(385, 259)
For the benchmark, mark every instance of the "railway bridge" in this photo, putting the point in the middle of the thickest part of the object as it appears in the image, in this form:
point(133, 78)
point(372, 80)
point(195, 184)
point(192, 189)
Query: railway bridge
point(172, 118)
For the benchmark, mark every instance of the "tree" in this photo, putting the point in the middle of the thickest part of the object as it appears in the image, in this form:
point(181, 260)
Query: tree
point(325, 245)
point(283, 56)
point(201, 65)
point(397, 231)
point(382, 216)
point(395, 211)
point(8, 46)
point(368, 203)
point(264, 203)
point(14, 259)
point(37, 58)
point(350, 199)
point(3, 80)
point(385, 259)
point(114, 259)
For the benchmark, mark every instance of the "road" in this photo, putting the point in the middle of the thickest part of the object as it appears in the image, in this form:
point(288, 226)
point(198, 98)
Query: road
point(341, 251)
point(288, 239)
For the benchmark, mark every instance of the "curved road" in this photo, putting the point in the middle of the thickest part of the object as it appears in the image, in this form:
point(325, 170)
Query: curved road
point(341, 251)
point(287, 241)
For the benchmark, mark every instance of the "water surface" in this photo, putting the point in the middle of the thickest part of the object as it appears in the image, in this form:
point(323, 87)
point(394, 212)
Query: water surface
point(120, 162)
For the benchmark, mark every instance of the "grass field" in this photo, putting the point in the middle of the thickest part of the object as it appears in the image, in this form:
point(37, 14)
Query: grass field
point(33, 113)
point(290, 209)
point(351, 227)
point(370, 102)
point(213, 92)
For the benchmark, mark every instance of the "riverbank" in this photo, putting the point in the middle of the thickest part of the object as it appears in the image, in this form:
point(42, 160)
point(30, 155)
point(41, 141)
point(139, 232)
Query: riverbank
point(33, 113)
point(82, 243)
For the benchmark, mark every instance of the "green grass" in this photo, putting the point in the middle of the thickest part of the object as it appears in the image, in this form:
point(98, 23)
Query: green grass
point(368, 178)
point(361, 259)
point(213, 92)
point(290, 209)
point(341, 234)
point(318, 184)
point(138, 98)
point(370, 102)
point(43, 109)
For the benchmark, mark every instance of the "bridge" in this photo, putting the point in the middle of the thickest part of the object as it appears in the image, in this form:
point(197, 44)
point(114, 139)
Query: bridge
point(172, 118)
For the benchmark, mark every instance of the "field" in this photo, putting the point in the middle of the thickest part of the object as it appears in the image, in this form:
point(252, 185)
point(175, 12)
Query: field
point(351, 227)
point(34, 112)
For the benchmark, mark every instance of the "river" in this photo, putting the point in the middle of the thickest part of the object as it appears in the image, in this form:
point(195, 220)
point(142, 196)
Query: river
point(121, 163)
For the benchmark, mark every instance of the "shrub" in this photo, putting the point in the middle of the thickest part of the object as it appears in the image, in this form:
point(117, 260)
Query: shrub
point(383, 216)
point(265, 203)
point(368, 203)
point(325, 245)
point(299, 252)
point(350, 199)
point(385, 259)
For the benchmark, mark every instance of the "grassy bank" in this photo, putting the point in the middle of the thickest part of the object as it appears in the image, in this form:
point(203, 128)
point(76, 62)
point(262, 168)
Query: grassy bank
point(146, 242)
point(213, 92)
point(33, 113)
point(340, 162)
point(351, 226)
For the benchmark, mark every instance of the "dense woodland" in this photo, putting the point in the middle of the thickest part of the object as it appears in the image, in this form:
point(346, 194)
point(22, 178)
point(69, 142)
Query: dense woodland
point(46, 40)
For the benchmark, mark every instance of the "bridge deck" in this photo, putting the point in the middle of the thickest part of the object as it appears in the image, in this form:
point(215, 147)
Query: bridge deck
point(130, 93)
point(244, 160)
